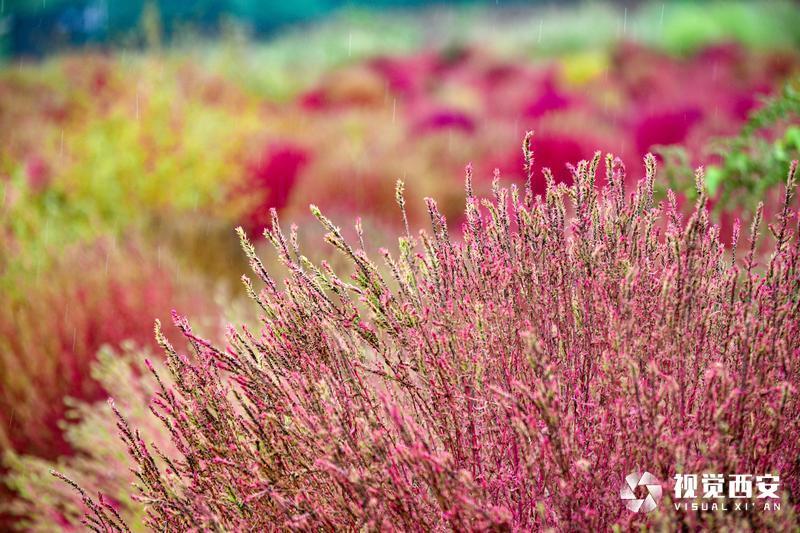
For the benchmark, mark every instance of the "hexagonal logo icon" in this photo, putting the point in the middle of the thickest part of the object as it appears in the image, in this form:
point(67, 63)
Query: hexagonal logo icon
point(647, 499)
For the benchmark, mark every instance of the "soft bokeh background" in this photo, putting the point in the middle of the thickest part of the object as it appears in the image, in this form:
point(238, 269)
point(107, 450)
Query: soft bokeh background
point(134, 136)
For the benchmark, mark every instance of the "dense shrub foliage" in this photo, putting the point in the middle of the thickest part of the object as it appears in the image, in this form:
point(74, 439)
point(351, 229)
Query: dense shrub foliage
point(98, 462)
point(104, 142)
point(508, 379)
point(52, 326)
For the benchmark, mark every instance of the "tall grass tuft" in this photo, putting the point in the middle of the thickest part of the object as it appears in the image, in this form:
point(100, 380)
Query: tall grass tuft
point(99, 461)
point(507, 379)
point(53, 324)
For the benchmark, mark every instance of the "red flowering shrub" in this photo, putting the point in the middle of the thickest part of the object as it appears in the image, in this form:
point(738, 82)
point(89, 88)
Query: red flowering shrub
point(95, 295)
point(419, 116)
point(99, 461)
point(509, 379)
point(272, 178)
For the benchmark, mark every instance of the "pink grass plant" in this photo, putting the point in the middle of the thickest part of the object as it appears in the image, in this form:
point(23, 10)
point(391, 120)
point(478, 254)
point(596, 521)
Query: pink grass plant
point(99, 461)
point(509, 379)
point(95, 294)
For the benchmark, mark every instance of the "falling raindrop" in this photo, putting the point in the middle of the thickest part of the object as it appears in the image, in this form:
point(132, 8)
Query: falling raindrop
point(541, 25)
point(661, 20)
point(625, 21)
point(350, 44)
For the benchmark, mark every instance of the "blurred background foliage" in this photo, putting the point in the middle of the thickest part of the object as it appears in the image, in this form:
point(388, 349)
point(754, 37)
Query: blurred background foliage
point(35, 27)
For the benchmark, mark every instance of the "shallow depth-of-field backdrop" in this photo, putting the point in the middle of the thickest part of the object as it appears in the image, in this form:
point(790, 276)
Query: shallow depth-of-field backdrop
point(135, 136)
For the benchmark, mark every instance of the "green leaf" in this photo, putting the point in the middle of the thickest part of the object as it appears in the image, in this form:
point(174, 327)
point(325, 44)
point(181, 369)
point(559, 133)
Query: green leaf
point(714, 177)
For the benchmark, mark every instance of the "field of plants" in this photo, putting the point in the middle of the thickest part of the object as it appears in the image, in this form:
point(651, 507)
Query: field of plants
point(495, 260)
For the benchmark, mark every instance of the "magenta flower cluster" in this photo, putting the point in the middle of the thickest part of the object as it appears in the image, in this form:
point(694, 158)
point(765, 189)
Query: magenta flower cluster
point(507, 379)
